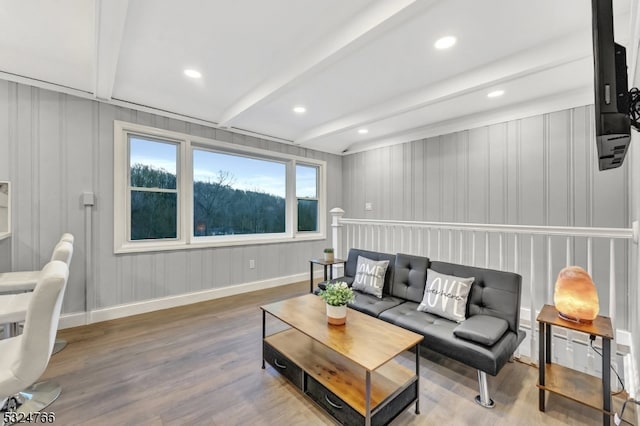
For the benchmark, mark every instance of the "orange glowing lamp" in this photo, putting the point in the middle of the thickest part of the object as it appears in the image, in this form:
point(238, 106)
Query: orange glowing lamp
point(576, 296)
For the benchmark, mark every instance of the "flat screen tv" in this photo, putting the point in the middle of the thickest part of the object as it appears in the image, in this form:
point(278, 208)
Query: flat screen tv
point(613, 126)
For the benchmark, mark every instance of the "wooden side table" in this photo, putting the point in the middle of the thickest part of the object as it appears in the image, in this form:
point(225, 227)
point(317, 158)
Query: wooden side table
point(580, 387)
point(325, 264)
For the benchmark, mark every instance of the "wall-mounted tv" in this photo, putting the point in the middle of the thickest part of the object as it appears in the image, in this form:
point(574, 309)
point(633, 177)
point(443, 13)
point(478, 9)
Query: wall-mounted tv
point(613, 126)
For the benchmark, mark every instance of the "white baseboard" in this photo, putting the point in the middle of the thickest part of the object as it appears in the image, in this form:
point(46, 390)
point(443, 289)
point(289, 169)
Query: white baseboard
point(631, 375)
point(72, 320)
point(142, 307)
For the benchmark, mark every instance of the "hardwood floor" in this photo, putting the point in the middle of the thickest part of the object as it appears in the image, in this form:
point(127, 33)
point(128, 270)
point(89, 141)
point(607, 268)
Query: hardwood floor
point(200, 365)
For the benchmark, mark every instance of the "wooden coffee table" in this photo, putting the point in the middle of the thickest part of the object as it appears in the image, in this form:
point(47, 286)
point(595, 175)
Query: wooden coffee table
point(348, 370)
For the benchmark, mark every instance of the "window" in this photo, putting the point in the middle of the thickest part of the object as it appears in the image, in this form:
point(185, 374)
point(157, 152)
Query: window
point(307, 197)
point(178, 191)
point(233, 194)
point(153, 189)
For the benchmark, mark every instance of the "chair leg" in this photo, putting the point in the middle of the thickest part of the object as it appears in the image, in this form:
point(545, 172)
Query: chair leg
point(59, 345)
point(35, 398)
point(484, 399)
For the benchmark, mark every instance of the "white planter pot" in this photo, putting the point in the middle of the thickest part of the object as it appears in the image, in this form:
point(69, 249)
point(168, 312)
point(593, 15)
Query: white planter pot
point(336, 315)
point(328, 257)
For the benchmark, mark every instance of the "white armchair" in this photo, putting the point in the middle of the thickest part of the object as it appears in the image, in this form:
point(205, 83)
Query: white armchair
point(24, 358)
point(13, 307)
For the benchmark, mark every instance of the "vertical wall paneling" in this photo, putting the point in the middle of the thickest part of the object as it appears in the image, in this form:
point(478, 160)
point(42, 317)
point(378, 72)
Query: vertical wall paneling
point(24, 247)
point(433, 191)
point(5, 120)
point(407, 181)
point(539, 170)
point(35, 175)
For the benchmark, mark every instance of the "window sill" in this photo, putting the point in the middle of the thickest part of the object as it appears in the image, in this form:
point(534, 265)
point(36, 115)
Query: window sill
point(202, 243)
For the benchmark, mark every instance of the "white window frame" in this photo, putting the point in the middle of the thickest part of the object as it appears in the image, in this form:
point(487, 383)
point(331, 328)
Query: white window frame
point(186, 239)
point(316, 198)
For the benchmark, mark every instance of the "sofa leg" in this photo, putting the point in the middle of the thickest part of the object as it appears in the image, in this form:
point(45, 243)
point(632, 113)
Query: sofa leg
point(484, 399)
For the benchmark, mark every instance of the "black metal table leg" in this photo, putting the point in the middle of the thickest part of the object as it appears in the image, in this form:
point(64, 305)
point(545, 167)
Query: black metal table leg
point(263, 334)
point(541, 364)
point(606, 381)
point(418, 376)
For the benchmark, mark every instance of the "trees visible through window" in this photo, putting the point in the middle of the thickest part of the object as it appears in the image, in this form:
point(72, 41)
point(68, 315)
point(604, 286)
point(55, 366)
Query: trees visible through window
point(153, 189)
point(235, 194)
point(173, 190)
point(307, 197)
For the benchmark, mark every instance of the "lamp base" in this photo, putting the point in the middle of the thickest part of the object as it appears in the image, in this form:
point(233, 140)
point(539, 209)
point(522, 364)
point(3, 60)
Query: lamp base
point(574, 319)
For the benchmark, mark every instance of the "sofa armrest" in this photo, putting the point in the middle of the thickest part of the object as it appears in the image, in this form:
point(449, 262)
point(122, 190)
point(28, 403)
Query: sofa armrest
point(483, 329)
point(348, 280)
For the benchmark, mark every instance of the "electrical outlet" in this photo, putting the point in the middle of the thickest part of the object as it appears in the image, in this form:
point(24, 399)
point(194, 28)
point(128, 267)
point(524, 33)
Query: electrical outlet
point(368, 206)
point(252, 264)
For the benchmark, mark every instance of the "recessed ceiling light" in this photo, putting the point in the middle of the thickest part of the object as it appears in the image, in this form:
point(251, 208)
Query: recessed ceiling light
point(192, 73)
point(495, 93)
point(445, 42)
point(363, 131)
point(299, 109)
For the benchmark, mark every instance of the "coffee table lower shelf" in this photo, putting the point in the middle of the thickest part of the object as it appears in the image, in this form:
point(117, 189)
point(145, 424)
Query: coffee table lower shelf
point(337, 384)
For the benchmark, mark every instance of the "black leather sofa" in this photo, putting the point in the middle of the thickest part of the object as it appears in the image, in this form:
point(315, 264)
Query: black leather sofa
point(494, 298)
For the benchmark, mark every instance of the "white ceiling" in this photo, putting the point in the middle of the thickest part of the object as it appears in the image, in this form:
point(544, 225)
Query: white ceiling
point(352, 64)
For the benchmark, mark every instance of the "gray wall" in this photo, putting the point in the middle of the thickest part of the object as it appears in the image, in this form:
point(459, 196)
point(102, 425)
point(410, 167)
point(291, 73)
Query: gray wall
point(5, 255)
point(540, 170)
point(53, 147)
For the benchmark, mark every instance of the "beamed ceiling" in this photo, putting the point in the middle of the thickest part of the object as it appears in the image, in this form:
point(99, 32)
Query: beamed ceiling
point(353, 64)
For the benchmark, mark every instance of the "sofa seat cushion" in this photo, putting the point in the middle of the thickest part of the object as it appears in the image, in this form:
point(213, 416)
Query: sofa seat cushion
point(482, 329)
point(372, 305)
point(438, 334)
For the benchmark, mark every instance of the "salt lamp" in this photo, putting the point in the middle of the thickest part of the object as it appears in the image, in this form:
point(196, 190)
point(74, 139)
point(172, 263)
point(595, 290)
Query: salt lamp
point(575, 296)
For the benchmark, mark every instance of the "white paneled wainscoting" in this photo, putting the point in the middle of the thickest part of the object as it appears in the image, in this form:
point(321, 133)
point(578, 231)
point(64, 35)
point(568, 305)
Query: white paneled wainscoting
point(537, 253)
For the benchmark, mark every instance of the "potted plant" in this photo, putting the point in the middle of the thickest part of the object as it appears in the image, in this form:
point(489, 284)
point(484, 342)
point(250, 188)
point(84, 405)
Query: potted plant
point(328, 254)
point(336, 296)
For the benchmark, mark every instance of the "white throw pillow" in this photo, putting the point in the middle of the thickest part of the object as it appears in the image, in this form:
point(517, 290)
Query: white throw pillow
point(370, 276)
point(446, 295)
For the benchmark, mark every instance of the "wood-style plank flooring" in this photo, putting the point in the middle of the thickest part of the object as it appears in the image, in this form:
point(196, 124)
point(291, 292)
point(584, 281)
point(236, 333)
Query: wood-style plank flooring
point(200, 365)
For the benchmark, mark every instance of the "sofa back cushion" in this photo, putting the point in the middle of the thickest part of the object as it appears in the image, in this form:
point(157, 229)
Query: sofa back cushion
point(494, 293)
point(370, 276)
point(350, 268)
point(446, 295)
point(409, 277)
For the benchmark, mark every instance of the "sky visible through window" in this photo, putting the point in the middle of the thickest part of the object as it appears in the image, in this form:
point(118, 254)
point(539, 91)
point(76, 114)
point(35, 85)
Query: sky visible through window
point(248, 174)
